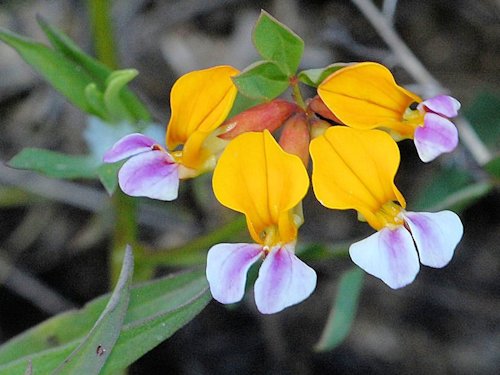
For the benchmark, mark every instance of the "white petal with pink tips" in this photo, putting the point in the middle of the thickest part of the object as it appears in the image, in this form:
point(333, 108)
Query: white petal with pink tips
point(284, 280)
point(443, 105)
point(436, 235)
point(389, 254)
point(437, 136)
point(227, 267)
point(151, 174)
point(129, 145)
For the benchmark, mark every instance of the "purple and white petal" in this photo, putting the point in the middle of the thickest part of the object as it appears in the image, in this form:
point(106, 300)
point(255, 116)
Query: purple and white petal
point(129, 145)
point(437, 136)
point(436, 235)
point(443, 105)
point(284, 280)
point(389, 254)
point(151, 174)
point(227, 267)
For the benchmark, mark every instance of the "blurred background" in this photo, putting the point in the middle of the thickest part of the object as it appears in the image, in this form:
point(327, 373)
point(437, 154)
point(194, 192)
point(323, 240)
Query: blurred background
point(54, 234)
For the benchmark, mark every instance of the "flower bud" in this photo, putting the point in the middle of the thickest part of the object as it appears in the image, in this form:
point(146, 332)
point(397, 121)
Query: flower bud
point(268, 116)
point(318, 127)
point(319, 107)
point(295, 137)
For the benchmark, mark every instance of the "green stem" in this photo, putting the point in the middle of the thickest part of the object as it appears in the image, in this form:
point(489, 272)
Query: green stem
point(194, 252)
point(124, 207)
point(100, 22)
point(296, 94)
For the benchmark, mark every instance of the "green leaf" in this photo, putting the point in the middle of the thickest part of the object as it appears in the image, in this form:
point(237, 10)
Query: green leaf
point(450, 188)
point(156, 310)
point(493, 167)
point(63, 44)
point(313, 77)
point(262, 80)
point(243, 103)
point(89, 357)
point(95, 99)
point(276, 42)
point(107, 174)
point(54, 164)
point(112, 96)
point(343, 313)
point(97, 70)
point(484, 115)
point(66, 77)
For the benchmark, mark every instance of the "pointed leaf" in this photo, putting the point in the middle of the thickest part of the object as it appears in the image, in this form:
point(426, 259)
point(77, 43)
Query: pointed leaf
point(90, 356)
point(54, 164)
point(115, 84)
point(276, 42)
point(313, 77)
point(156, 310)
point(262, 80)
point(97, 70)
point(66, 77)
point(343, 312)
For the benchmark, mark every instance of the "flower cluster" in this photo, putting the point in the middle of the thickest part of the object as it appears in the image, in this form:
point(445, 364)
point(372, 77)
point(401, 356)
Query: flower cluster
point(349, 130)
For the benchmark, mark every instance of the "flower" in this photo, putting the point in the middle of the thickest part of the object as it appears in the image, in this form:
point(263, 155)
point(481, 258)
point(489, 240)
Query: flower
point(366, 96)
point(355, 169)
point(200, 102)
point(256, 177)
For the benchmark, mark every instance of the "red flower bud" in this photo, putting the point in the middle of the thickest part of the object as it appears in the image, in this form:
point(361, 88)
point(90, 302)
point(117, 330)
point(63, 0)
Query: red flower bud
point(268, 116)
point(318, 106)
point(295, 136)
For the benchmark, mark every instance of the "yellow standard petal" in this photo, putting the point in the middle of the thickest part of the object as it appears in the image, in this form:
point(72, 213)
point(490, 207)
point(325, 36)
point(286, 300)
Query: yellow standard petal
point(366, 96)
point(256, 177)
point(200, 101)
point(355, 169)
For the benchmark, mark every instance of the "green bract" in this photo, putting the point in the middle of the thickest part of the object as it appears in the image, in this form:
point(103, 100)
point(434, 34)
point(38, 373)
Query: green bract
point(262, 80)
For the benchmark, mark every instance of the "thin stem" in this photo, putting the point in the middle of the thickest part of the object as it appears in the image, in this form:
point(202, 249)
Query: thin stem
point(100, 21)
point(124, 207)
point(413, 65)
point(296, 94)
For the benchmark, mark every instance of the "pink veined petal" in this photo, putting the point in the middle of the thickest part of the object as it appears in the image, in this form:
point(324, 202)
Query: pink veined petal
point(389, 254)
point(436, 235)
point(438, 135)
point(227, 267)
point(129, 145)
point(283, 281)
point(443, 105)
point(151, 174)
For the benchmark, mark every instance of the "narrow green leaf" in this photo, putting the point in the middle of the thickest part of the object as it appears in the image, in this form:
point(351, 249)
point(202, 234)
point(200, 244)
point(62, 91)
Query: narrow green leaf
point(463, 198)
point(107, 174)
point(276, 42)
point(112, 96)
point(313, 77)
point(262, 80)
point(156, 310)
point(493, 167)
point(484, 115)
point(344, 310)
point(66, 77)
point(54, 164)
point(95, 100)
point(63, 44)
point(90, 356)
point(451, 189)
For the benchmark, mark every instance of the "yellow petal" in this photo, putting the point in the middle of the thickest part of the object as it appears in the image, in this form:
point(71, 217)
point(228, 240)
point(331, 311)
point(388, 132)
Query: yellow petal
point(365, 96)
point(256, 177)
point(355, 169)
point(200, 100)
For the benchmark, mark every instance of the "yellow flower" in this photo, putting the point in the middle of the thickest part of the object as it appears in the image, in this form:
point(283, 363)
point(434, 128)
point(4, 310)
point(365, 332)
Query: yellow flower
point(355, 169)
point(200, 101)
point(256, 177)
point(366, 96)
